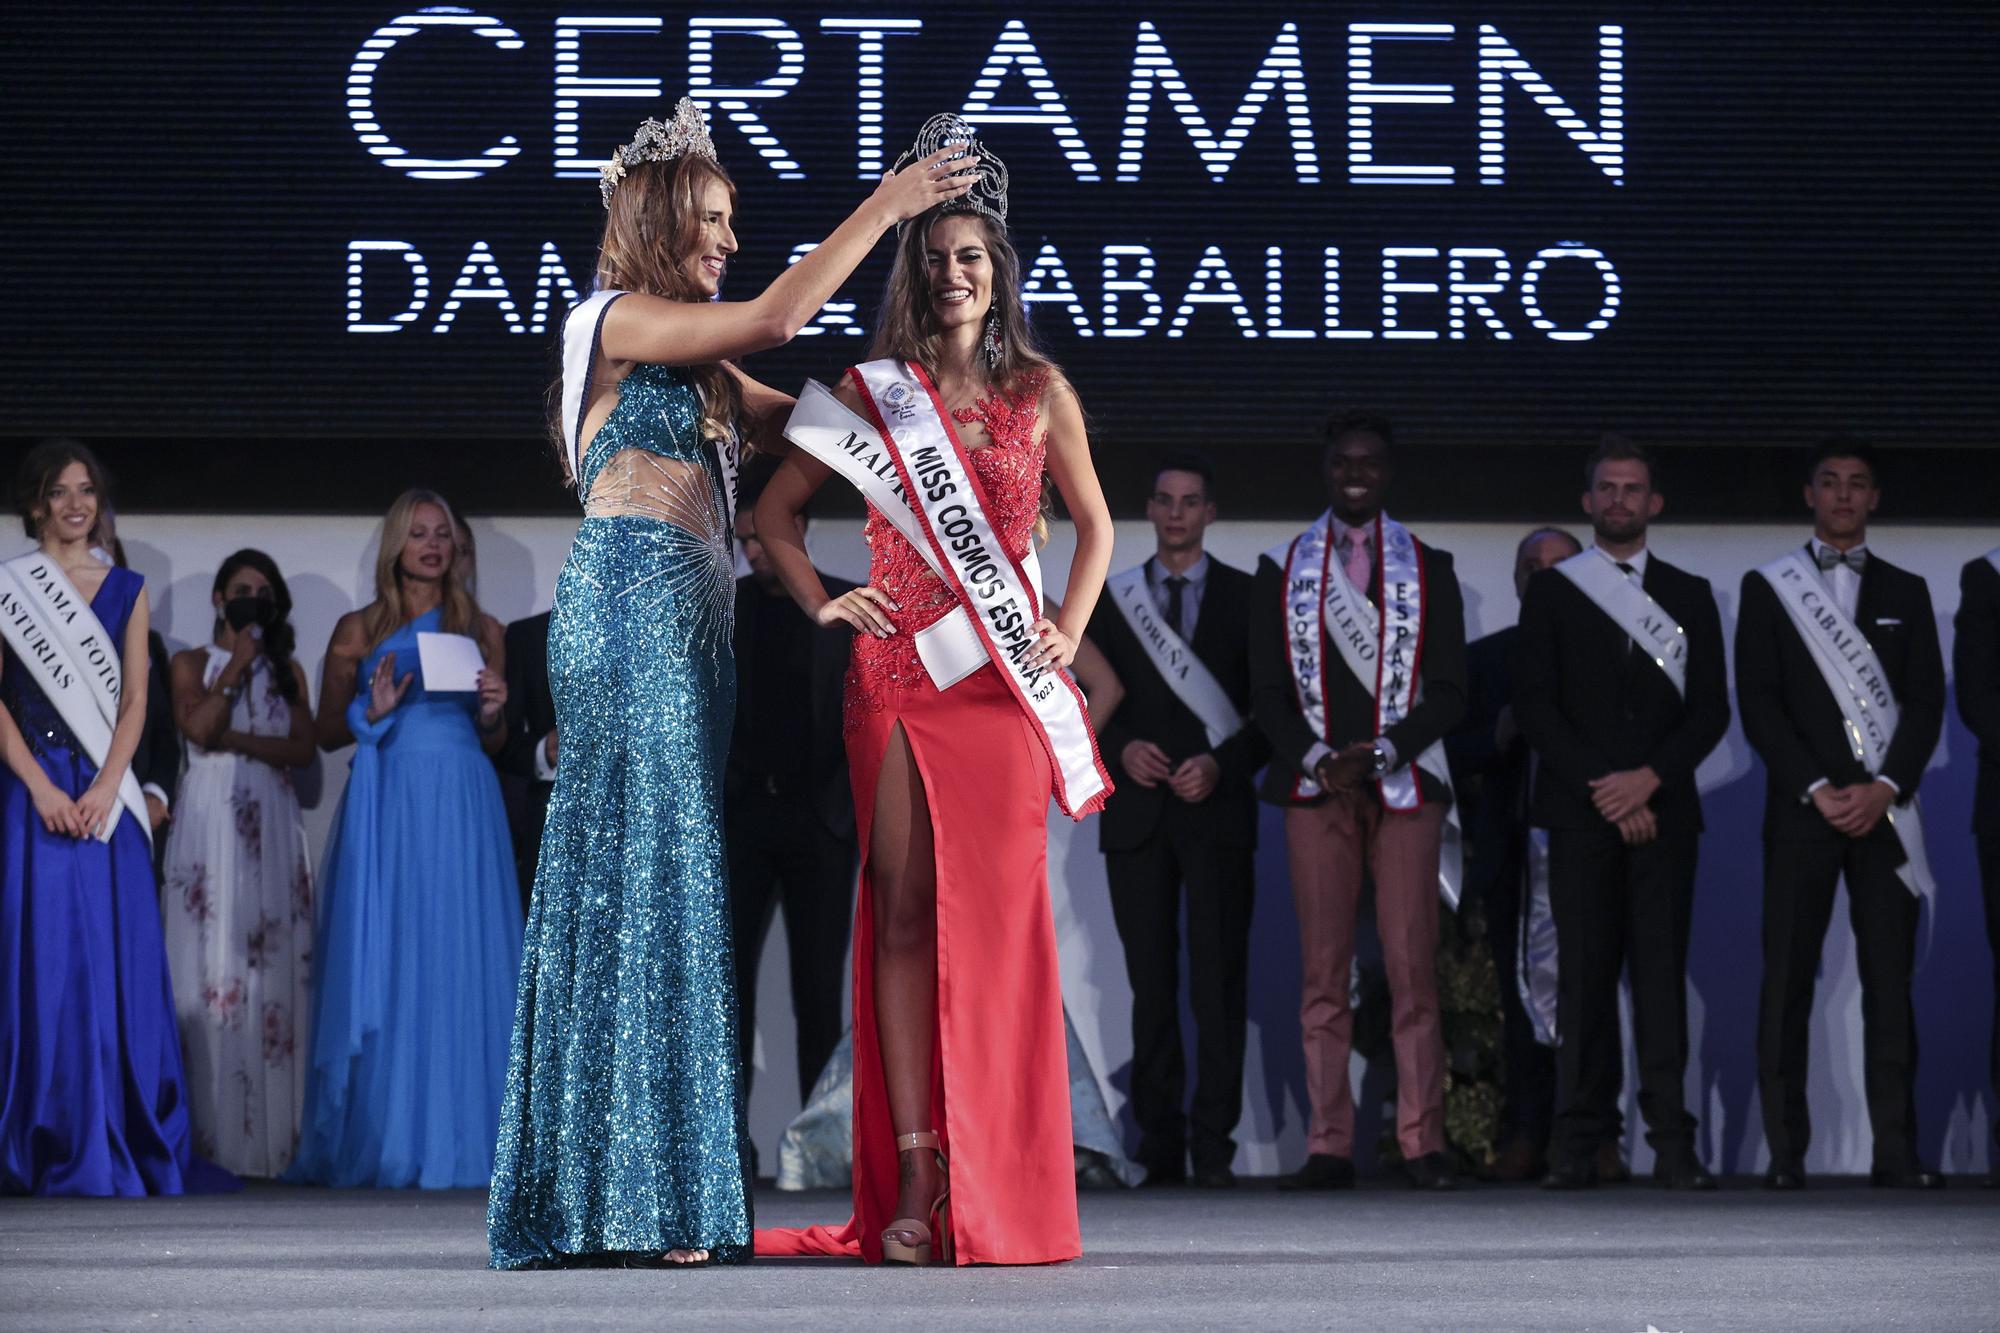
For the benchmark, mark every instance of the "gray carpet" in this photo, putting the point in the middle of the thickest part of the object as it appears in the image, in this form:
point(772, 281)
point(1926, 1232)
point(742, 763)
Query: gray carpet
point(1841, 1256)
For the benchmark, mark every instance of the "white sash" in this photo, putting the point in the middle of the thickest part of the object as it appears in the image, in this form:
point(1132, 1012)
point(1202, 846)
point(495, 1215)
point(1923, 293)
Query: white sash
point(582, 335)
point(75, 661)
point(1185, 674)
point(1860, 687)
point(1382, 651)
point(822, 425)
point(1537, 970)
point(1619, 595)
point(951, 506)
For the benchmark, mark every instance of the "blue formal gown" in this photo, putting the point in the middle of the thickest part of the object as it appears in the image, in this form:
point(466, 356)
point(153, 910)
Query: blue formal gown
point(419, 940)
point(92, 1097)
point(623, 1128)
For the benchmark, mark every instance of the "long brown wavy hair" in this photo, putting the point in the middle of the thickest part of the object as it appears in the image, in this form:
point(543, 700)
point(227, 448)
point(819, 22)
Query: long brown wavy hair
point(650, 230)
point(906, 326)
point(386, 614)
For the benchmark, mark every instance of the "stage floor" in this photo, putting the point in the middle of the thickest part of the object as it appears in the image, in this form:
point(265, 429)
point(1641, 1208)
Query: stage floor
point(1629, 1258)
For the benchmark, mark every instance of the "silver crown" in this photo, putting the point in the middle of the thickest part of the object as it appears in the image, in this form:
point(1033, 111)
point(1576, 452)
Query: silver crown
point(686, 133)
point(988, 195)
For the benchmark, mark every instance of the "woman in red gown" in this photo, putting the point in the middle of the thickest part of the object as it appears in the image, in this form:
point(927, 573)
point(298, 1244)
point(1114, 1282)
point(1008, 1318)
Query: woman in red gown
point(962, 1144)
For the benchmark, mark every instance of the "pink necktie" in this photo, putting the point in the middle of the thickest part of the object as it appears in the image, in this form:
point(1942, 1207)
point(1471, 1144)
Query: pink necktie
point(1359, 559)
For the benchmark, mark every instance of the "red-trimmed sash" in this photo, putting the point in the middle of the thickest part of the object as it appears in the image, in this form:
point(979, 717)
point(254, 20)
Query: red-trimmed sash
point(950, 505)
point(1383, 649)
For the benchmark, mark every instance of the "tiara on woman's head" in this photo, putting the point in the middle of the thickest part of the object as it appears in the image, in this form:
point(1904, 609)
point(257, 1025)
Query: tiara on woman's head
point(686, 133)
point(988, 195)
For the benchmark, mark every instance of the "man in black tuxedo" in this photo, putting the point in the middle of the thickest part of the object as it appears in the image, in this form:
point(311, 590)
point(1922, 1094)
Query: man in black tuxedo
point(1616, 741)
point(1975, 656)
point(527, 759)
point(1184, 812)
point(1332, 780)
point(156, 764)
point(787, 811)
point(1828, 812)
point(1489, 764)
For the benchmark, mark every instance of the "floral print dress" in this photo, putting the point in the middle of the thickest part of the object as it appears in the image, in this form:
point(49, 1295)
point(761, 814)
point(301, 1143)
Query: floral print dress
point(237, 896)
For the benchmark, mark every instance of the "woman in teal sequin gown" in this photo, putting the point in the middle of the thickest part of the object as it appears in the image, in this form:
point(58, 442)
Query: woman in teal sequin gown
point(622, 1136)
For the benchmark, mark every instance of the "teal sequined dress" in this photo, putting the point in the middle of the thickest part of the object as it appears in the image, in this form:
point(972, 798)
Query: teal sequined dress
point(623, 1132)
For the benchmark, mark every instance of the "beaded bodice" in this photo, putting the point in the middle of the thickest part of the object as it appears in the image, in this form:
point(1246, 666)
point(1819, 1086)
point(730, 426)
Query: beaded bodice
point(1009, 469)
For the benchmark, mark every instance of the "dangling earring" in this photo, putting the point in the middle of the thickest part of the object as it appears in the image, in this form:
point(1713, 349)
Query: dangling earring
point(990, 344)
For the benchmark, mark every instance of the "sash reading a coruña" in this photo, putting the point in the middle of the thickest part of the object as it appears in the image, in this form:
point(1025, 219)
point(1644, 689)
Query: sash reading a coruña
point(582, 335)
point(1383, 650)
point(950, 506)
point(75, 661)
point(1185, 674)
point(1860, 689)
point(823, 426)
point(1618, 595)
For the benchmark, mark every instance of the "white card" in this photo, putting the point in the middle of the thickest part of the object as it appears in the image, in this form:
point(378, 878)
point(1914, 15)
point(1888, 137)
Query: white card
point(451, 662)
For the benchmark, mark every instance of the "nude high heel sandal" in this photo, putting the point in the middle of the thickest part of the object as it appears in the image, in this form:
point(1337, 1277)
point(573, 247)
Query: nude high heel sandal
point(896, 1249)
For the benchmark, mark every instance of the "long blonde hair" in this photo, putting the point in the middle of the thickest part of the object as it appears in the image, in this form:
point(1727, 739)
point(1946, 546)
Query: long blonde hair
point(386, 614)
point(651, 227)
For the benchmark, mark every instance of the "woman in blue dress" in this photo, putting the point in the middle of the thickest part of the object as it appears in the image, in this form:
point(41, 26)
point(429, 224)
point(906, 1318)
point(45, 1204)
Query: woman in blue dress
point(92, 1095)
point(622, 1139)
point(419, 934)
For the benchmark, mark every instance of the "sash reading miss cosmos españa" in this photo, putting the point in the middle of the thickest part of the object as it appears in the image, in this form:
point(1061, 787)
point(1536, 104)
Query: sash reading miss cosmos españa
point(934, 476)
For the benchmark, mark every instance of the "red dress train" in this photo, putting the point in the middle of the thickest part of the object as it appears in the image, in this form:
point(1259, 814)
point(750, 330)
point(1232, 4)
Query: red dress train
point(1000, 1085)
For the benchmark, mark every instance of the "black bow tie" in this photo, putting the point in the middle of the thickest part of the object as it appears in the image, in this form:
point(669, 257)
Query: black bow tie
point(1856, 559)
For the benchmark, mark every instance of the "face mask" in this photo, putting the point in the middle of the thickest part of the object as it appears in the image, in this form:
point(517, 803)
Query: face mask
point(241, 611)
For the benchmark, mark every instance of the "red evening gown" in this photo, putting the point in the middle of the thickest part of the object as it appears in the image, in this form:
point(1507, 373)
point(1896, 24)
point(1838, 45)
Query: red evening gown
point(1000, 1089)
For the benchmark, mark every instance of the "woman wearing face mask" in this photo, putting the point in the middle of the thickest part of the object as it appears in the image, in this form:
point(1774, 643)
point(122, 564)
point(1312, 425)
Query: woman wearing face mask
point(419, 929)
point(961, 1114)
point(92, 1096)
point(237, 893)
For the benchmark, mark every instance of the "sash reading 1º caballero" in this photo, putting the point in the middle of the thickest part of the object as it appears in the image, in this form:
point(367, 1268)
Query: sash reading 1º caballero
point(1860, 688)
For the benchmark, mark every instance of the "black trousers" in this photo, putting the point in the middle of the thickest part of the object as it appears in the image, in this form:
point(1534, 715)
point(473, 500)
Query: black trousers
point(1621, 908)
point(1146, 898)
point(1803, 861)
point(1527, 1068)
point(781, 857)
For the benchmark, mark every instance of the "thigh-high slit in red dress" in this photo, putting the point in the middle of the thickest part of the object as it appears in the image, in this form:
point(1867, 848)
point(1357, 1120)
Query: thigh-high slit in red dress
point(1000, 1088)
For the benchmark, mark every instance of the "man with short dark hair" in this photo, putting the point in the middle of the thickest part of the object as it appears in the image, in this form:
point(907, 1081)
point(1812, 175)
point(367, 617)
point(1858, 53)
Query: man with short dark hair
point(1621, 690)
point(1357, 661)
point(1975, 656)
point(1184, 813)
point(1841, 682)
point(1489, 762)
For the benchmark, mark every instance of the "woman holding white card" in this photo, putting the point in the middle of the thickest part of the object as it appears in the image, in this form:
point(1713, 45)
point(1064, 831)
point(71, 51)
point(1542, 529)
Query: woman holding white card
point(420, 919)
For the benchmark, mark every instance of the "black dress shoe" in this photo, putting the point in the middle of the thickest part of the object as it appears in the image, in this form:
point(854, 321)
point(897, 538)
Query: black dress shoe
point(1430, 1172)
point(1322, 1171)
point(1214, 1177)
point(1786, 1176)
point(1685, 1174)
point(1571, 1176)
point(1905, 1178)
point(1159, 1177)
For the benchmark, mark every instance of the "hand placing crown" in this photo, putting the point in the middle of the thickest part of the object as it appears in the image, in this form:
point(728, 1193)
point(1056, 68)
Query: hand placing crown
point(988, 195)
point(658, 141)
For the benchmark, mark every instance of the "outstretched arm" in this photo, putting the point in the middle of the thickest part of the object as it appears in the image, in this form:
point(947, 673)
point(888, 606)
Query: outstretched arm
point(658, 331)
